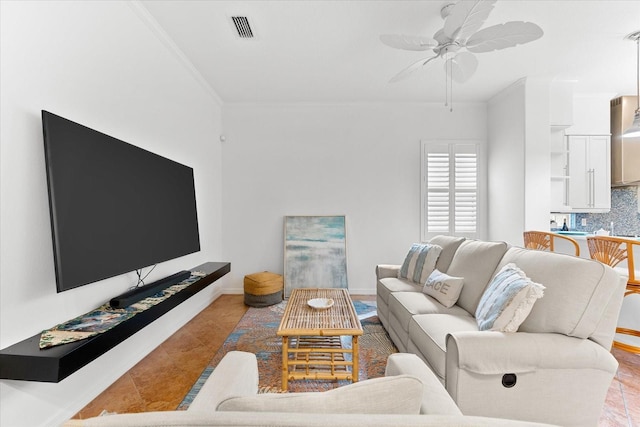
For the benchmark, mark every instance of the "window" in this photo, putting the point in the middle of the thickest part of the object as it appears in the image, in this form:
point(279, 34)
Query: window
point(450, 189)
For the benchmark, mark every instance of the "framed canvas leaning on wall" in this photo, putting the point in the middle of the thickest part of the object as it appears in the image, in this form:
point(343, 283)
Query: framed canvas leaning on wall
point(315, 252)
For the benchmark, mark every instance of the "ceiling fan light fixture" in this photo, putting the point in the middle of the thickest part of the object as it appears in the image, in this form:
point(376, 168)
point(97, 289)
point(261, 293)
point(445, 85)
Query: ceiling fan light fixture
point(634, 130)
point(462, 22)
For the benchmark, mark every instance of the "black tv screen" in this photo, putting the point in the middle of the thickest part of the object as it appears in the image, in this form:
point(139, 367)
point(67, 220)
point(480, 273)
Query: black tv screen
point(115, 208)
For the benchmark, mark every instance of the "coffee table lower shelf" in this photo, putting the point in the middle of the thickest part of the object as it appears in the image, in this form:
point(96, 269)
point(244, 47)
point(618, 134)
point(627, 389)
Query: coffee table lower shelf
point(318, 358)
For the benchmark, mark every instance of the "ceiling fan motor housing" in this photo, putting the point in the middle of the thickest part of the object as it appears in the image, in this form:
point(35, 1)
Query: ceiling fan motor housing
point(451, 47)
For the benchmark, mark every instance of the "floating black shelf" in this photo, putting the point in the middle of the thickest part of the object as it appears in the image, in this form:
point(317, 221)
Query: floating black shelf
point(26, 361)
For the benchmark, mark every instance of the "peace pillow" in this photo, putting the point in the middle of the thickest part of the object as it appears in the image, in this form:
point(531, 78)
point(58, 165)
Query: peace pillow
point(446, 289)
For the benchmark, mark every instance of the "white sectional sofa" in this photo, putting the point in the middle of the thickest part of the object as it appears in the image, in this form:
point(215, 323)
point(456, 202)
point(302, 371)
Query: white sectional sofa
point(408, 395)
point(556, 368)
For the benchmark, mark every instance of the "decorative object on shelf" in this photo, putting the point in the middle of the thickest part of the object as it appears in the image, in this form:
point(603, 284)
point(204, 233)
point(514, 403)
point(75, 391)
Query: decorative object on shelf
point(462, 22)
point(634, 130)
point(315, 252)
point(105, 317)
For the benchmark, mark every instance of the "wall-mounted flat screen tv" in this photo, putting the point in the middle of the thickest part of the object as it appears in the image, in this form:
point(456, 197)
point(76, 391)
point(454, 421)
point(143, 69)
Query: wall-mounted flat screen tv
point(115, 208)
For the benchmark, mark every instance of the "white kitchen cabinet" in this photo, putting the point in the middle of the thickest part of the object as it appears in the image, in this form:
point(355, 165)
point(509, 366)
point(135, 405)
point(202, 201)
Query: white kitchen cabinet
point(591, 115)
point(589, 182)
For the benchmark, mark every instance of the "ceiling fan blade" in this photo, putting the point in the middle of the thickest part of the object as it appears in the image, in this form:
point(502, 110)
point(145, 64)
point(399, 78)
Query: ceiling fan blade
point(502, 36)
point(461, 67)
point(410, 69)
point(466, 18)
point(441, 37)
point(399, 41)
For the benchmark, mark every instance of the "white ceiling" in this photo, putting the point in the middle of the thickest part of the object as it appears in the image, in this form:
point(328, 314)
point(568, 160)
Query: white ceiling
point(329, 51)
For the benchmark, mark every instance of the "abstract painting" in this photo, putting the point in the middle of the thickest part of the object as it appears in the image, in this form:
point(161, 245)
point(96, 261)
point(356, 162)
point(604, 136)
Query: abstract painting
point(315, 252)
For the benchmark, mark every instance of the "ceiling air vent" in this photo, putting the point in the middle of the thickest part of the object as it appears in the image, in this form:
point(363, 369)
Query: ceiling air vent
point(242, 27)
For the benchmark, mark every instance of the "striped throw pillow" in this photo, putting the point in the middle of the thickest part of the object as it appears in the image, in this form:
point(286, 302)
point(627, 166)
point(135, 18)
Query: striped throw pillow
point(419, 262)
point(507, 301)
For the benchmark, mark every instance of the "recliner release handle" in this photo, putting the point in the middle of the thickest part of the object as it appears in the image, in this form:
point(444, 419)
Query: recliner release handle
point(509, 380)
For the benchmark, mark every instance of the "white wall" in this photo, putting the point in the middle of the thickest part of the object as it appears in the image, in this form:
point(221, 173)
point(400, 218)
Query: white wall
point(96, 63)
point(537, 151)
point(518, 161)
point(506, 183)
point(362, 161)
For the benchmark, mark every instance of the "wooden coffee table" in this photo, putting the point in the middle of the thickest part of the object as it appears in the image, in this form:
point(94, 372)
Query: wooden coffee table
point(311, 344)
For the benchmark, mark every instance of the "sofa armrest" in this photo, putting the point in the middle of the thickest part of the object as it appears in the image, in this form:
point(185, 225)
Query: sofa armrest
point(435, 399)
point(387, 270)
point(543, 377)
point(490, 352)
point(235, 375)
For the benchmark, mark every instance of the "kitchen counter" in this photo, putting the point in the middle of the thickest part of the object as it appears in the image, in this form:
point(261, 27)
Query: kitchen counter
point(582, 235)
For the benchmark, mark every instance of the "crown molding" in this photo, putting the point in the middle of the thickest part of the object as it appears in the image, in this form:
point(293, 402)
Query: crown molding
point(146, 17)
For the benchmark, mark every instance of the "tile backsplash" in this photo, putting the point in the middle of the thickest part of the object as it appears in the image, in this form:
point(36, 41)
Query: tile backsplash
point(624, 215)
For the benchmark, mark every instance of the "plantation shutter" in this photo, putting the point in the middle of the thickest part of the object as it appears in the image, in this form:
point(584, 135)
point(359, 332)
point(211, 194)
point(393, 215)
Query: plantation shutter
point(450, 189)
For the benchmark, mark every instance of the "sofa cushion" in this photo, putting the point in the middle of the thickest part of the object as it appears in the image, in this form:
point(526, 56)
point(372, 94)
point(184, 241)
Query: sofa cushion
point(419, 262)
point(476, 261)
point(507, 301)
point(392, 284)
point(428, 334)
point(577, 292)
point(446, 289)
point(366, 397)
point(405, 305)
point(449, 245)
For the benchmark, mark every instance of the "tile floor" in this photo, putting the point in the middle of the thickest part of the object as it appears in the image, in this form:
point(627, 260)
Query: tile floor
point(163, 378)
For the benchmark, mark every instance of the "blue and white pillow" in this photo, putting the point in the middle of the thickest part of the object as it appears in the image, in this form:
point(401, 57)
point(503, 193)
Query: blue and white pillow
point(419, 262)
point(507, 301)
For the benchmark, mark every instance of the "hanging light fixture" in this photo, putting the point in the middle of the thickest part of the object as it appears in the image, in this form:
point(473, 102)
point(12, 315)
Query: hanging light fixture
point(634, 130)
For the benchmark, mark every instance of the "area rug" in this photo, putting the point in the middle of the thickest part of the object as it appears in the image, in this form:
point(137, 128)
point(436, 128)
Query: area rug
point(256, 333)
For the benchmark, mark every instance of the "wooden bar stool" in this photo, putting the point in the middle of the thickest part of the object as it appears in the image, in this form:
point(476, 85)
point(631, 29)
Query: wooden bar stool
point(544, 241)
point(612, 251)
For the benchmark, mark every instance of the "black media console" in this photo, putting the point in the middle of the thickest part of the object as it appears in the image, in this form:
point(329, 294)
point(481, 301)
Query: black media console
point(26, 361)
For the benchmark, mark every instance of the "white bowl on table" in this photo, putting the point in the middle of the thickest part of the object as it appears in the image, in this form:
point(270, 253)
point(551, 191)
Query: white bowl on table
point(320, 303)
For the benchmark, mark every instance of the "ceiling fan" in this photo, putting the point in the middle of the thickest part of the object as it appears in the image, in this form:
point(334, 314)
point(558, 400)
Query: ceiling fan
point(461, 37)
